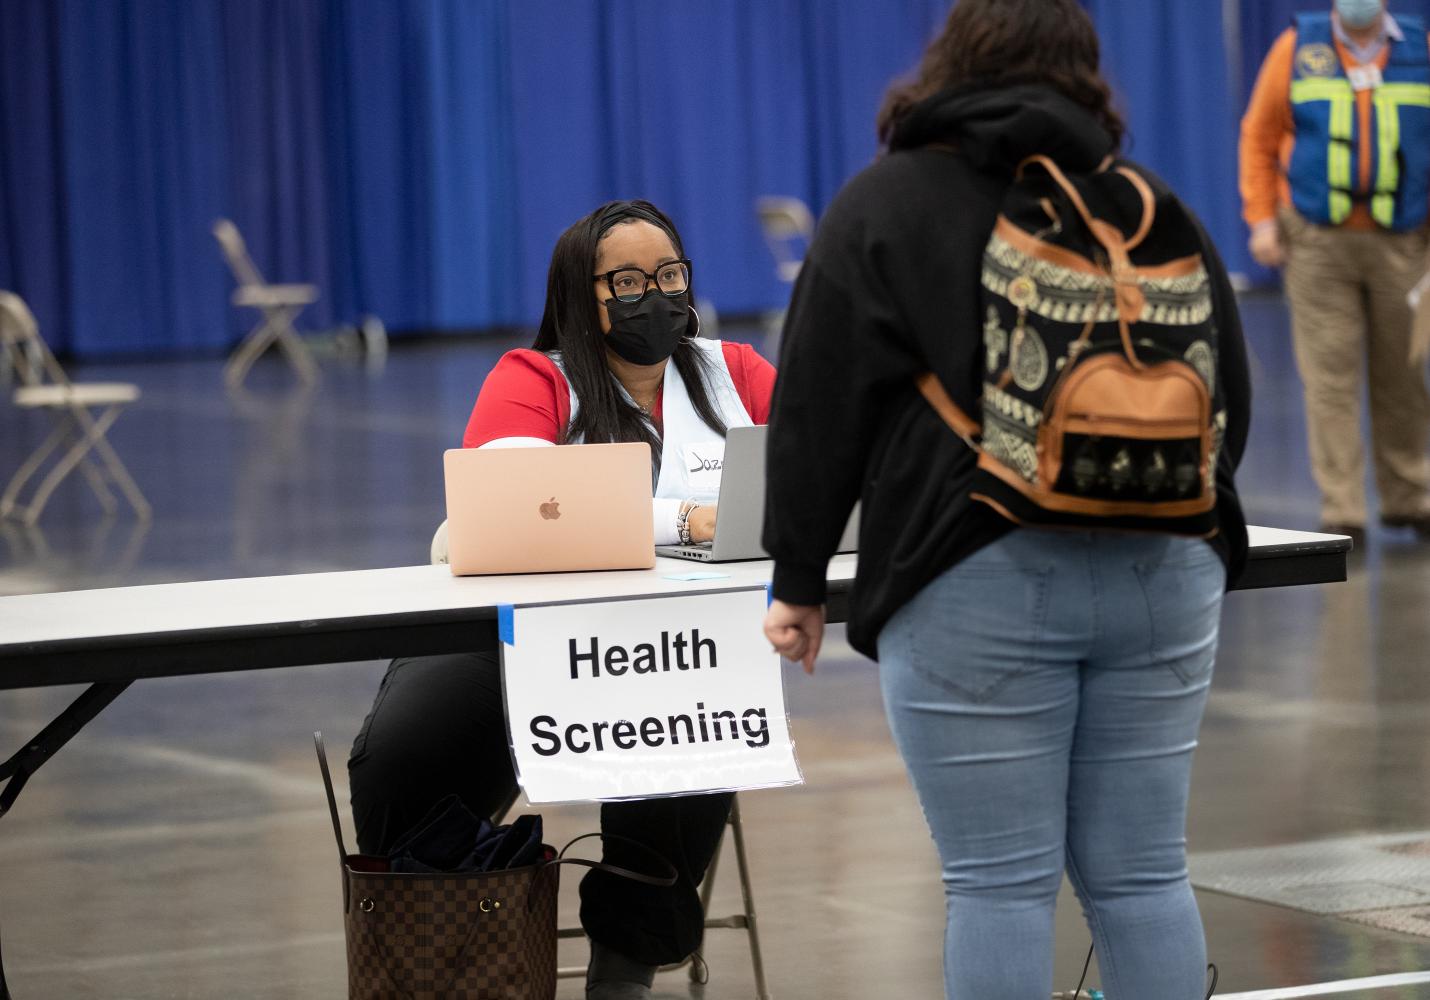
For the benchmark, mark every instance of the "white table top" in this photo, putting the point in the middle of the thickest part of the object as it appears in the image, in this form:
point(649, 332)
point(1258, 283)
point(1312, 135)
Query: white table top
point(1276, 540)
point(312, 598)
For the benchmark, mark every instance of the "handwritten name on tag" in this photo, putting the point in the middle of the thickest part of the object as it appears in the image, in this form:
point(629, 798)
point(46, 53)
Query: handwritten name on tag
point(703, 464)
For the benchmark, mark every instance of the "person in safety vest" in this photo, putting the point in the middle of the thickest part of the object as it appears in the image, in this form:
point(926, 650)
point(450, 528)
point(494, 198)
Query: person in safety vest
point(1335, 185)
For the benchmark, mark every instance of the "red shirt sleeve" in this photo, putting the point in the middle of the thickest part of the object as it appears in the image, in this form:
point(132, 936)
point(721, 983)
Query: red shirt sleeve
point(525, 395)
point(754, 379)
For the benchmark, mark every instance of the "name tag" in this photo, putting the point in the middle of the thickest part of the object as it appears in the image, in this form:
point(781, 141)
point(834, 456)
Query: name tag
point(703, 463)
point(1364, 77)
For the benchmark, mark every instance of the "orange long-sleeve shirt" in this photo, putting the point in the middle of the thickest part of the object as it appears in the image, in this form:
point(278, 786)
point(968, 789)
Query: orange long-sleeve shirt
point(1268, 135)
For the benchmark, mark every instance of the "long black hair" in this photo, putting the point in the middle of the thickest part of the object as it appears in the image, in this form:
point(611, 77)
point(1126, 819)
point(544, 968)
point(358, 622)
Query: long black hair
point(571, 324)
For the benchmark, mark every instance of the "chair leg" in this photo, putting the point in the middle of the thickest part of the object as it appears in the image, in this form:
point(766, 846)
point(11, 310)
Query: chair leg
point(119, 473)
point(707, 891)
point(748, 896)
point(235, 370)
point(292, 345)
point(95, 431)
point(94, 475)
point(9, 502)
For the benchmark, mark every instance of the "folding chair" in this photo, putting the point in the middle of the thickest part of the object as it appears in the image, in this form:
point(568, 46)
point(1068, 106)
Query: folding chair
point(278, 304)
point(788, 226)
point(72, 405)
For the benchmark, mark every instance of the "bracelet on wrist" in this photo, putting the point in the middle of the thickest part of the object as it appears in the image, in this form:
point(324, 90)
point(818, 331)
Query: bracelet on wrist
point(682, 520)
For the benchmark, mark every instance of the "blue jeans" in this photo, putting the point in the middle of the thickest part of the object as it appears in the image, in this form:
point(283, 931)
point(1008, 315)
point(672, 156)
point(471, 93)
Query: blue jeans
point(1046, 694)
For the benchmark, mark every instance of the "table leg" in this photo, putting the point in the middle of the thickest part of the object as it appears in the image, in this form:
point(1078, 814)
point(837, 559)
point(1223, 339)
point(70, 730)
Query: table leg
point(26, 761)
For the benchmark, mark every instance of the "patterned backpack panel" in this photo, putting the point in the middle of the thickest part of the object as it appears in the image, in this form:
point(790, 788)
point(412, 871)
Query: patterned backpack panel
point(1100, 355)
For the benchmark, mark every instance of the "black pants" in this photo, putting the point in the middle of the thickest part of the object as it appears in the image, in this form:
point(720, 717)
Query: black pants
point(437, 728)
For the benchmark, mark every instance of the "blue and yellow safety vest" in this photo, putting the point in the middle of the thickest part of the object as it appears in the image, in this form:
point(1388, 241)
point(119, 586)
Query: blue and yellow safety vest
point(1325, 164)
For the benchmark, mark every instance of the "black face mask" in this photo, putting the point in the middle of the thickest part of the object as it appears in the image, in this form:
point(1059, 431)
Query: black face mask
point(646, 332)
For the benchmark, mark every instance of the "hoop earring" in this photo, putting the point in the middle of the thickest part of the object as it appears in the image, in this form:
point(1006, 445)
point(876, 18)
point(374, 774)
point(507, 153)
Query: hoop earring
point(696, 335)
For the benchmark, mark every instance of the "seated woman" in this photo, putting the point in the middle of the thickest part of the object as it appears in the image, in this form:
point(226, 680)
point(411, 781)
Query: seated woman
point(617, 358)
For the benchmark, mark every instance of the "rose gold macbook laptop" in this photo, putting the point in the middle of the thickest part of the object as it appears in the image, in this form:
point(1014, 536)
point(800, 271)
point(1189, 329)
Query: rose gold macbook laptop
point(547, 510)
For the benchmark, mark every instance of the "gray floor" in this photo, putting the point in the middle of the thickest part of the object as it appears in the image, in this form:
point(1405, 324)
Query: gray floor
point(179, 847)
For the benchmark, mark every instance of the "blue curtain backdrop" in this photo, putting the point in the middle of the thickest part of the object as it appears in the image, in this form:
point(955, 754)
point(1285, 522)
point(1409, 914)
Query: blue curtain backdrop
point(417, 158)
point(1167, 63)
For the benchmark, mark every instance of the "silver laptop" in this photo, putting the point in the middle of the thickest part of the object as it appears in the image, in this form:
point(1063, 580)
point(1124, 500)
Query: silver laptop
point(741, 512)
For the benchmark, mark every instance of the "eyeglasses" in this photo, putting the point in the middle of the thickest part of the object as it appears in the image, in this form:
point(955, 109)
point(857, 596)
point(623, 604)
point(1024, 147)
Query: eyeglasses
point(630, 283)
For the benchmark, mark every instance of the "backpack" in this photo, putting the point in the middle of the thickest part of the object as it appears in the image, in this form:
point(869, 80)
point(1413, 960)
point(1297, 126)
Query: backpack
point(1099, 402)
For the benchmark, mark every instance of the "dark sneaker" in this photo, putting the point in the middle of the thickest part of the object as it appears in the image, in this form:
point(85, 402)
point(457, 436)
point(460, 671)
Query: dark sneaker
point(613, 976)
point(1420, 523)
point(605, 990)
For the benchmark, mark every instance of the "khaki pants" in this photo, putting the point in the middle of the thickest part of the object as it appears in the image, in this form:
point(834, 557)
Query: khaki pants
point(1347, 291)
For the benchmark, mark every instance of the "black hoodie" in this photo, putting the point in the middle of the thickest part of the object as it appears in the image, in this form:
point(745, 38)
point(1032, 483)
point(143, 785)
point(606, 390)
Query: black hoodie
point(889, 290)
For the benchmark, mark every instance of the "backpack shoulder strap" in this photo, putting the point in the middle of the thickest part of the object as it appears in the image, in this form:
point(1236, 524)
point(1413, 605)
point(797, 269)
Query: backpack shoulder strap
point(1144, 192)
point(1149, 205)
point(1131, 300)
point(961, 423)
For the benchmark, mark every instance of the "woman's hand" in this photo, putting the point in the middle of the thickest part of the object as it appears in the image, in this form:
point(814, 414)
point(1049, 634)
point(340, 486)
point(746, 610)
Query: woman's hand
point(702, 523)
point(796, 630)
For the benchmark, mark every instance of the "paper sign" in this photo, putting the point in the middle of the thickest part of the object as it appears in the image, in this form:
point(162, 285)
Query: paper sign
point(645, 698)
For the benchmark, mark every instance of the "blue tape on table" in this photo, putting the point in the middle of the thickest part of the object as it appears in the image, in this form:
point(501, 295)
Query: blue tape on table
point(769, 594)
point(506, 624)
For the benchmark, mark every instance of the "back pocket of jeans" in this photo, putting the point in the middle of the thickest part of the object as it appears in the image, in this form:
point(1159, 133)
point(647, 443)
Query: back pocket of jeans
point(1183, 592)
point(979, 626)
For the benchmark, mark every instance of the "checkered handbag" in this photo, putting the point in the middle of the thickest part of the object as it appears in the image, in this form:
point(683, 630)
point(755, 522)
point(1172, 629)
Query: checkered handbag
point(479, 936)
point(485, 936)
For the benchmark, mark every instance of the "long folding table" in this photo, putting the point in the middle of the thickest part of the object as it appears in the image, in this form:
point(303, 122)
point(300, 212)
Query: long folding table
point(110, 638)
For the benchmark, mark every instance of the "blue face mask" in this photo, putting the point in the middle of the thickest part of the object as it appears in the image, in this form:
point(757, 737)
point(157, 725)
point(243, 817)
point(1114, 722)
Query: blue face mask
point(1359, 13)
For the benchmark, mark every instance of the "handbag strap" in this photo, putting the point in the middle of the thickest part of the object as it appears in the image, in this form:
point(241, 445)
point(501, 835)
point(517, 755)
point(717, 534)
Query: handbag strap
point(659, 880)
point(332, 801)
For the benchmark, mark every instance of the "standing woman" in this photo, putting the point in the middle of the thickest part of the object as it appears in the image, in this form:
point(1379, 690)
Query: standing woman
point(1044, 688)
point(617, 358)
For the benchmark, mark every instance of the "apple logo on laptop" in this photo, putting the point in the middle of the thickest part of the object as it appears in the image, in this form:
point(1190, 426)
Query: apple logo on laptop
point(551, 510)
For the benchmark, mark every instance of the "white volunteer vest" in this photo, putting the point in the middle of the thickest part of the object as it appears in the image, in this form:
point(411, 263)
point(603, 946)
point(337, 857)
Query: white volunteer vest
point(691, 453)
